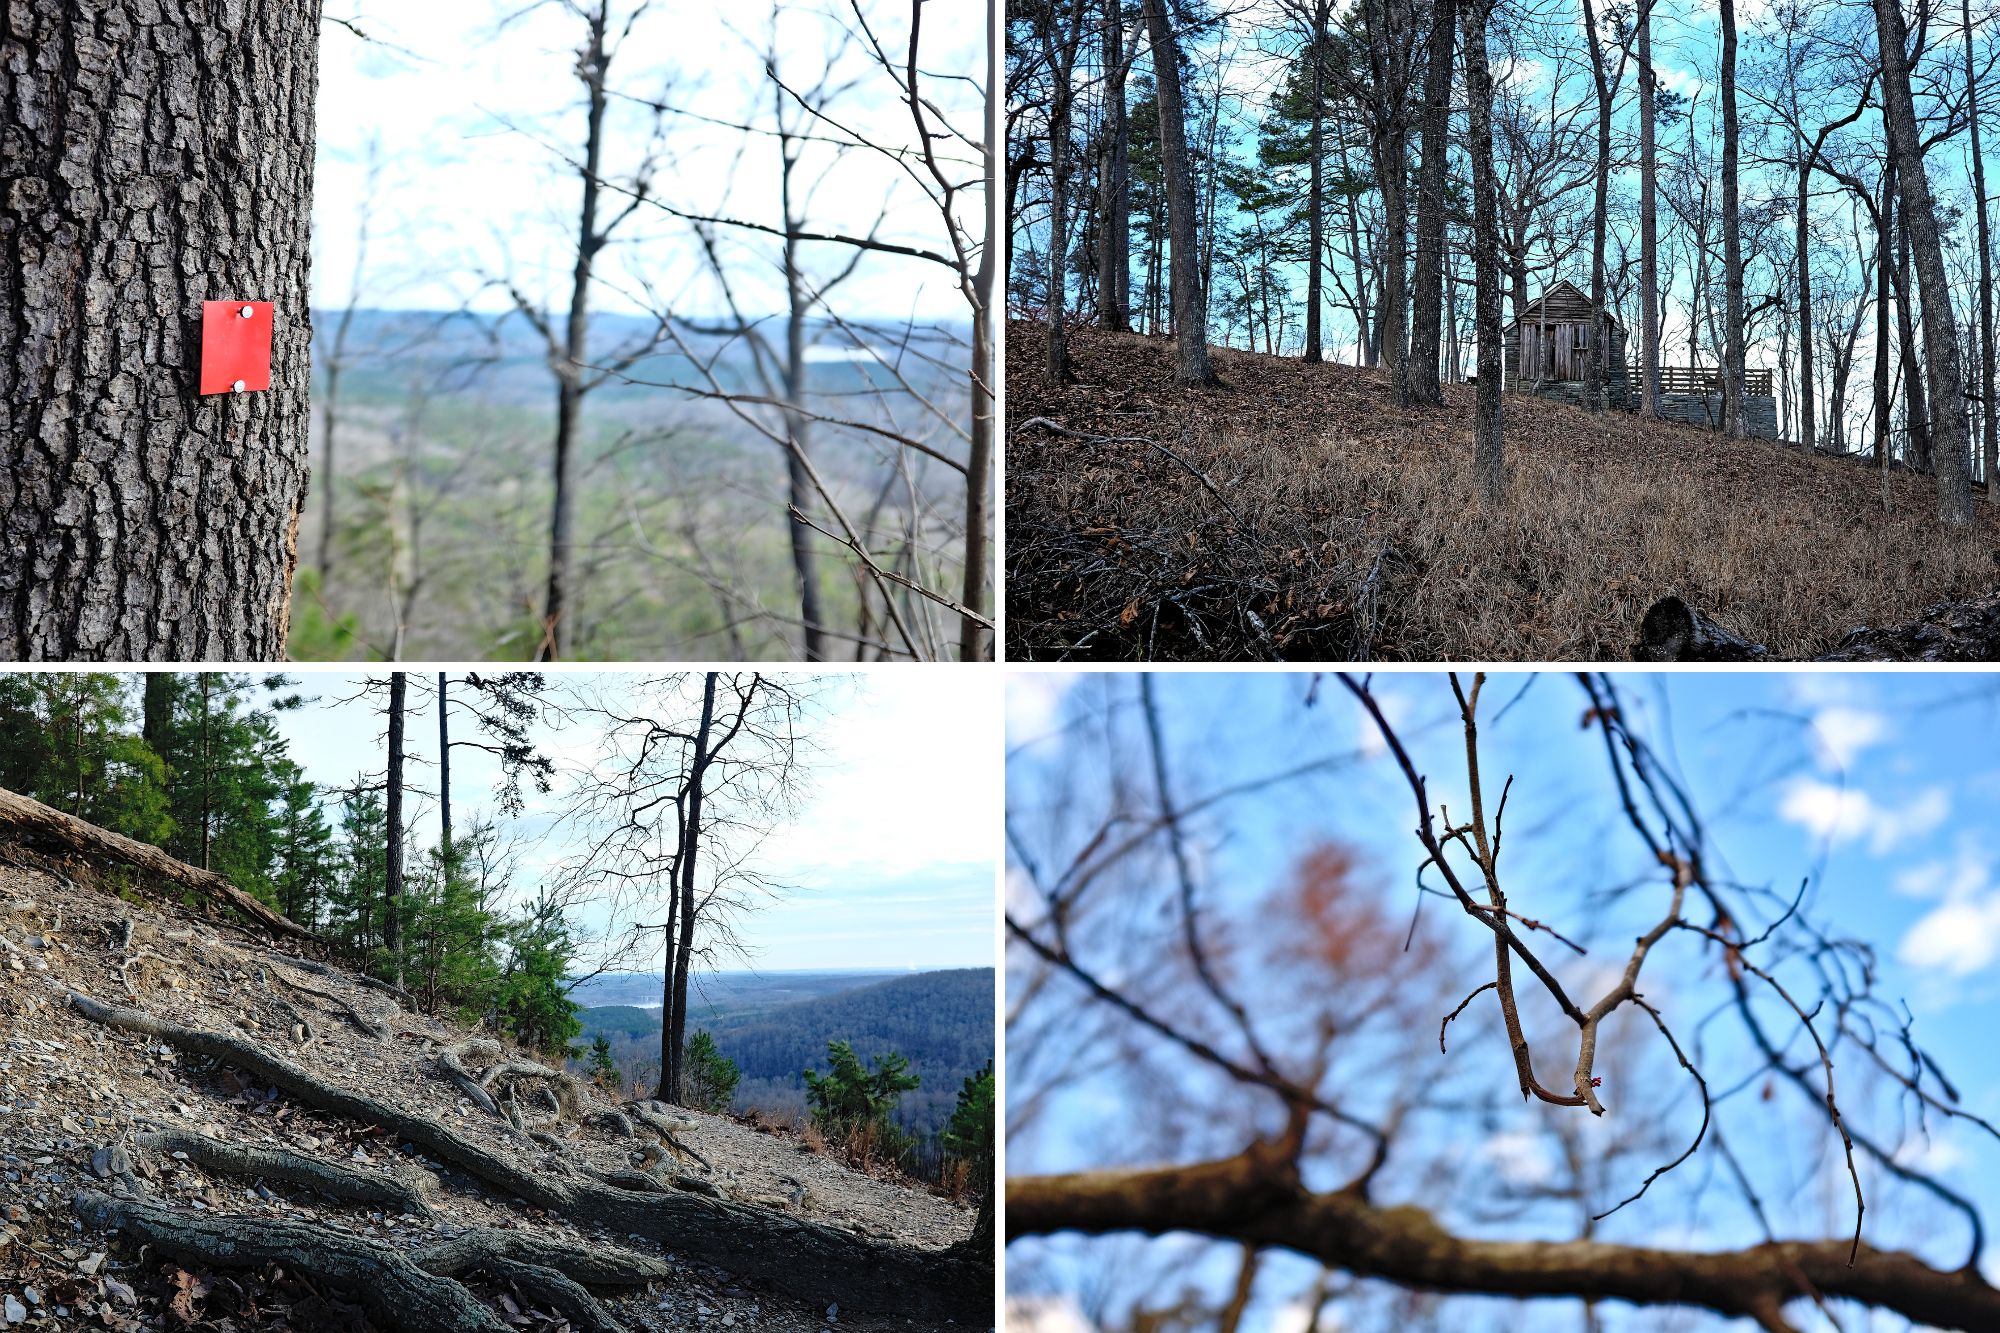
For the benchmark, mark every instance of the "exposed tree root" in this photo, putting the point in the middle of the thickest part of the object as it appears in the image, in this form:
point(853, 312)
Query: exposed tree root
point(568, 1092)
point(402, 1186)
point(374, 1027)
point(667, 1123)
point(804, 1259)
point(389, 988)
point(417, 1292)
point(450, 1061)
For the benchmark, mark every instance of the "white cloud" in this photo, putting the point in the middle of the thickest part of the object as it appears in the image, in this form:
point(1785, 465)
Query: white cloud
point(1958, 938)
point(1962, 934)
point(1841, 734)
point(1034, 703)
point(1845, 814)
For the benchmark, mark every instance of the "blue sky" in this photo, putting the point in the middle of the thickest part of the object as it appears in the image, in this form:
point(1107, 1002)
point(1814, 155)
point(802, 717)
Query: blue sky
point(889, 862)
point(1875, 786)
point(469, 114)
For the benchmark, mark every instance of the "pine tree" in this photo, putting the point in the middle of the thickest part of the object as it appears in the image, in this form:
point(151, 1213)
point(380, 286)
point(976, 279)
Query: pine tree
point(712, 1076)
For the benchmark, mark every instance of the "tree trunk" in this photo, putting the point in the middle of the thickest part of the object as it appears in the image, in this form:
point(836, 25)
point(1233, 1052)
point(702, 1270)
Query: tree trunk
point(1807, 440)
point(1316, 187)
point(393, 891)
point(1732, 241)
point(1594, 362)
point(444, 773)
point(802, 495)
point(558, 615)
point(1190, 304)
point(1488, 452)
point(140, 520)
point(1425, 333)
point(1391, 148)
point(1989, 408)
point(1114, 183)
point(1649, 221)
point(1058, 49)
point(673, 1076)
point(1950, 451)
point(1884, 257)
point(1916, 413)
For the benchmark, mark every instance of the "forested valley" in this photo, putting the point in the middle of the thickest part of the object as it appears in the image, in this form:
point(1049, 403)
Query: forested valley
point(1335, 324)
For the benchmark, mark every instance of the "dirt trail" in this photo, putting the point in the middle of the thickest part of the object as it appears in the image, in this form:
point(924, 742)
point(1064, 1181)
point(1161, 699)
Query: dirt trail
point(69, 1087)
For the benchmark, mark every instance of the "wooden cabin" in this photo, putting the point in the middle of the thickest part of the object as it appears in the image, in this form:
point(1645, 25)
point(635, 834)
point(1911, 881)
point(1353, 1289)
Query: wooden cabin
point(1547, 348)
point(1545, 352)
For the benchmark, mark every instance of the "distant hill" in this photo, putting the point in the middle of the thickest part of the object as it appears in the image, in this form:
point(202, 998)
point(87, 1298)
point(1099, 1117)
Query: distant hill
point(941, 1021)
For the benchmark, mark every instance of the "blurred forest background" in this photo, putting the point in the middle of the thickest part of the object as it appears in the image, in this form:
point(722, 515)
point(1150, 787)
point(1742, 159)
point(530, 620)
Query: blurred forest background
point(642, 333)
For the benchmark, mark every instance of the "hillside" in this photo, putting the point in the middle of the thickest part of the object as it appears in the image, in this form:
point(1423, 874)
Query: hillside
point(941, 1021)
point(295, 1147)
point(1328, 524)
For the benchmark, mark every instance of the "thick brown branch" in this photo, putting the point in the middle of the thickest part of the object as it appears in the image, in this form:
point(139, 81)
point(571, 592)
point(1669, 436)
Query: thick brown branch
point(1243, 1199)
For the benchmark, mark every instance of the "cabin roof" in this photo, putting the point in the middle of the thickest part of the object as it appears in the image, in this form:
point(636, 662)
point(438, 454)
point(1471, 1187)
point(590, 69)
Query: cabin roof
point(1561, 304)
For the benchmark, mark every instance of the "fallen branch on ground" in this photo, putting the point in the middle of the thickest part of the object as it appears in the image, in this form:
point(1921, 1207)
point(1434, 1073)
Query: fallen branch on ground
point(1965, 631)
point(32, 822)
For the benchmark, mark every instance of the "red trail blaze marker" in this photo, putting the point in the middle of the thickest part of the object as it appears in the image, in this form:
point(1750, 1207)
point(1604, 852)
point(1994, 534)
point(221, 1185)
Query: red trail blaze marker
point(235, 346)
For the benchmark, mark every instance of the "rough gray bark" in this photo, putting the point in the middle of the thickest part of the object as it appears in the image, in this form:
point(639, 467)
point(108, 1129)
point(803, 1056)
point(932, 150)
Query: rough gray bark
point(1732, 239)
point(35, 824)
point(1190, 302)
point(152, 162)
point(1426, 302)
point(1388, 27)
point(1489, 439)
point(1950, 445)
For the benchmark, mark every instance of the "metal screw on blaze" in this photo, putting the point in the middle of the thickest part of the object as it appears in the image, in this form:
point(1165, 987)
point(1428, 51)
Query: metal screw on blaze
point(235, 346)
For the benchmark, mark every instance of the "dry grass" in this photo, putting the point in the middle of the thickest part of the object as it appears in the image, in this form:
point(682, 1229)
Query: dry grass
point(1341, 527)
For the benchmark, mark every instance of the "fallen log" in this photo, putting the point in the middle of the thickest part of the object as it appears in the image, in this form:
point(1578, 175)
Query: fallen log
point(1962, 631)
point(31, 821)
point(804, 1259)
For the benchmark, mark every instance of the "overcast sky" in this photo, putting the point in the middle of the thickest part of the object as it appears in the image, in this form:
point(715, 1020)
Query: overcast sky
point(891, 861)
point(473, 117)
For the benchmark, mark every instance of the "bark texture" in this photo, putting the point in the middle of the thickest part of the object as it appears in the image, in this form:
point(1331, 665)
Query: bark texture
point(1489, 437)
point(1114, 183)
point(1950, 439)
point(1190, 301)
point(1673, 631)
point(154, 157)
point(1255, 1199)
point(1428, 297)
point(36, 824)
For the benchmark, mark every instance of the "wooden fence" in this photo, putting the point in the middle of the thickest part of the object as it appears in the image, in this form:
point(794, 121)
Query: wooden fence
point(1707, 379)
